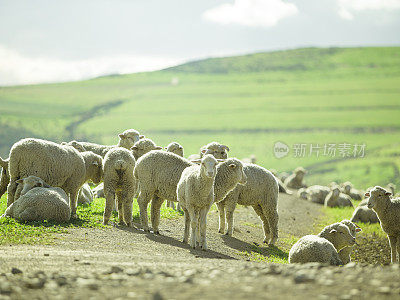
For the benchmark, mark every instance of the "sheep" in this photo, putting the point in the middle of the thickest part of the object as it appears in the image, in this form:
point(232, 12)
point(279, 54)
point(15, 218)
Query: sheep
point(250, 160)
point(347, 188)
point(126, 140)
point(295, 180)
point(5, 177)
point(324, 247)
point(158, 174)
point(58, 165)
point(317, 193)
point(345, 252)
point(38, 201)
point(282, 186)
point(261, 192)
point(119, 183)
point(302, 193)
point(174, 147)
point(143, 146)
point(388, 211)
point(336, 199)
point(85, 195)
point(218, 150)
point(363, 214)
point(98, 191)
point(195, 194)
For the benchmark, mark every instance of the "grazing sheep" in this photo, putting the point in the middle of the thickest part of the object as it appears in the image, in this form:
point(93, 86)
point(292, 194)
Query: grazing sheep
point(195, 194)
point(98, 191)
point(317, 193)
point(345, 252)
point(119, 184)
point(388, 211)
point(261, 192)
point(336, 199)
point(295, 180)
point(363, 214)
point(126, 140)
point(324, 247)
point(347, 188)
point(5, 178)
point(143, 146)
point(58, 165)
point(38, 201)
point(85, 195)
point(250, 160)
point(176, 148)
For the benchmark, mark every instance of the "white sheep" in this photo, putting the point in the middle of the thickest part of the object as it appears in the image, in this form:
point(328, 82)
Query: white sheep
point(58, 165)
point(5, 178)
point(337, 199)
point(317, 193)
point(158, 174)
point(126, 140)
point(98, 191)
point(295, 180)
point(347, 188)
point(195, 194)
point(363, 214)
point(38, 201)
point(345, 252)
point(324, 247)
point(176, 148)
point(85, 195)
point(388, 211)
point(216, 149)
point(119, 184)
point(143, 146)
point(261, 192)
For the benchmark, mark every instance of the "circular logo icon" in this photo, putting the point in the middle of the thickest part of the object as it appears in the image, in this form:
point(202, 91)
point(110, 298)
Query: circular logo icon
point(281, 149)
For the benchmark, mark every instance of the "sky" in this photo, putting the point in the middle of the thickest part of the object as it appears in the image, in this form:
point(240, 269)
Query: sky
point(55, 41)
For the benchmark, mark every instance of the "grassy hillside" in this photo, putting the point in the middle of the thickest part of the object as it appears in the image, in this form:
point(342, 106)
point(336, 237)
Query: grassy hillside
point(299, 96)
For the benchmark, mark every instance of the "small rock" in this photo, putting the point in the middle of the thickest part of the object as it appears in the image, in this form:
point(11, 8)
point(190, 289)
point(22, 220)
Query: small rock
point(16, 271)
point(350, 265)
point(115, 269)
point(384, 290)
point(61, 280)
point(35, 283)
point(157, 296)
point(46, 254)
point(302, 277)
point(87, 283)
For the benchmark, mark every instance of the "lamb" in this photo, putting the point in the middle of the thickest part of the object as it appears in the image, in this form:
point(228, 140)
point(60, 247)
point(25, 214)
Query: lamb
point(143, 146)
point(317, 193)
point(388, 211)
point(195, 194)
point(5, 177)
point(295, 180)
point(324, 247)
point(347, 188)
point(218, 150)
point(363, 214)
point(174, 147)
point(336, 199)
point(58, 165)
point(158, 174)
point(85, 195)
point(119, 183)
point(345, 252)
point(38, 201)
point(261, 192)
point(126, 140)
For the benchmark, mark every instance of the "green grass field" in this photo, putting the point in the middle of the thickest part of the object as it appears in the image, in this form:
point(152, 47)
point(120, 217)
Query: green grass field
point(304, 96)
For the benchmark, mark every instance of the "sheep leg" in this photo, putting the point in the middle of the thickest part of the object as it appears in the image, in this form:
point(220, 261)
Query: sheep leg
point(128, 212)
point(73, 199)
point(12, 187)
point(203, 227)
point(221, 210)
point(393, 242)
point(272, 217)
point(187, 226)
point(257, 208)
point(156, 203)
point(398, 246)
point(143, 201)
point(230, 208)
point(120, 200)
point(110, 196)
point(194, 219)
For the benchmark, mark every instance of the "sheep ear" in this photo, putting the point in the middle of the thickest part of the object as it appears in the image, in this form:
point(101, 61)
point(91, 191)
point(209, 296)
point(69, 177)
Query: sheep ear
point(165, 148)
point(358, 229)
point(196, 161)
point(367, 194)
point(134, 148)
point(19, 181)
point(226, 147)
point(180, 147)
point(333, 231)
point(232, 166)
point(121, 136)
point(141, 137)
point(388, 193)
point(203, 150)
point(158, 148)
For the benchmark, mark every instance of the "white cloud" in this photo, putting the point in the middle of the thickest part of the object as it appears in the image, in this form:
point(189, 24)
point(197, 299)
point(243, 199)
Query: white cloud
point(347, 8)
point(18, 69)
point(252, 13)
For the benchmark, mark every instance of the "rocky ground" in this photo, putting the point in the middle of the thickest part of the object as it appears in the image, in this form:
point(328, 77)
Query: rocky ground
point(128, 263)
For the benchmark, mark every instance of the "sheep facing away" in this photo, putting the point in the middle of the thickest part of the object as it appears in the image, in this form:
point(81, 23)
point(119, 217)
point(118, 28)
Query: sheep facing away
point(295, 180)
point(345, 252)
point(337, 199)
point(38, 201)
point(58, 165)
point(195, 194)
point(388, 211)
point(142, 147)
point(176, 148)
point(324, 247)
point(126, 140)
point(5, 177)
point(119, 184)
point(261, 192)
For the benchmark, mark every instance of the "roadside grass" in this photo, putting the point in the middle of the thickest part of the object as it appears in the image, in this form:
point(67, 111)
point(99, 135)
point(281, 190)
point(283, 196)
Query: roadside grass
point(13, 232)
point(271, 254)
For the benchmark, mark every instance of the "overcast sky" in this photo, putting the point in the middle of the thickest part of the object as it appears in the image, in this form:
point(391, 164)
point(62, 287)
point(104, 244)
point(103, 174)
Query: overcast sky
point(48, 41)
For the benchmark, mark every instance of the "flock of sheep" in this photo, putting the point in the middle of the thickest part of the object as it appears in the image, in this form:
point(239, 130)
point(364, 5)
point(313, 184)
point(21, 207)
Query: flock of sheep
point(46, 180)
